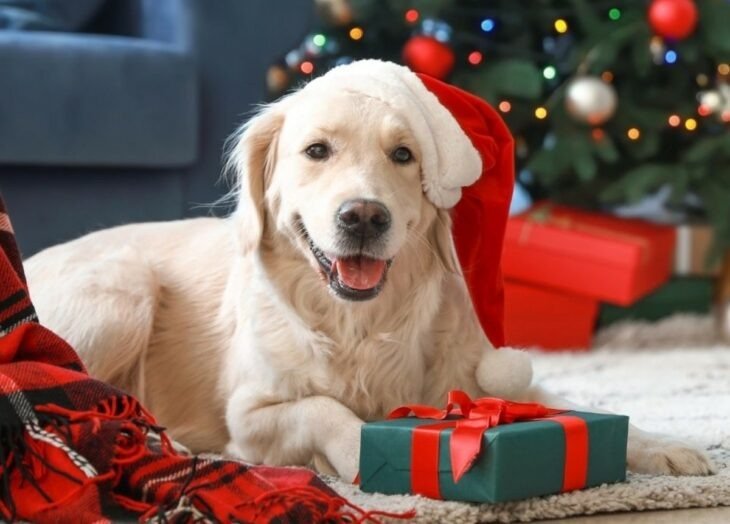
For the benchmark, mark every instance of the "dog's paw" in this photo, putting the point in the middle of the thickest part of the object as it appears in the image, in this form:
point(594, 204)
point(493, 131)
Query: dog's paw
point(343, 451)
point(664, 456)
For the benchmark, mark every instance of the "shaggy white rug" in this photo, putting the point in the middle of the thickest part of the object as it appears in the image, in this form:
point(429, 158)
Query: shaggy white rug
point(671, 377)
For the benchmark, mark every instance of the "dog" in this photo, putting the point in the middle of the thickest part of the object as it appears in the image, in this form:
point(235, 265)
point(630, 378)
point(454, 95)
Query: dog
point(331, 295)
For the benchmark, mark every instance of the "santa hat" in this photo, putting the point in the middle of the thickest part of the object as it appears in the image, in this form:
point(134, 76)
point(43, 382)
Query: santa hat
point(467, 164)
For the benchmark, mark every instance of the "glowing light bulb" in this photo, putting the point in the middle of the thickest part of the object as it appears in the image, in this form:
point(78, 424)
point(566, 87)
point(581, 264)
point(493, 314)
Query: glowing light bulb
point(674, 120)
point(356, 33)
point(561, 26)
point(487, 25)
point(319, 40)
point(723, 69)
point(475, 58)
point(690, 124)
point(306, 67)
point(670, 57)
point(703, 110)
point(633, 133)
point(541, 113)
point(549, 72)
point(412, 16)
point(505, 106)
point(614, 13)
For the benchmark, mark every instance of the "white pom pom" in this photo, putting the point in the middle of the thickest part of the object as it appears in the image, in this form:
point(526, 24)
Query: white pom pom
point(505, 373)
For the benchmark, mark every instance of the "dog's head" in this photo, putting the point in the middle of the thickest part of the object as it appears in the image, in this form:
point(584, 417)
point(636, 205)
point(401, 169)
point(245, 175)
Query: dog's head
point(337, 174)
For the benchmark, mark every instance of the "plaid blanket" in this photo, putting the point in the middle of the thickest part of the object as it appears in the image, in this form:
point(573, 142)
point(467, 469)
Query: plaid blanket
point(73, 449)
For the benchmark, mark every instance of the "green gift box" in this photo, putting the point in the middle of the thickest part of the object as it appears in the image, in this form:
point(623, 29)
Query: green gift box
point(679, 295)
point(564, 451)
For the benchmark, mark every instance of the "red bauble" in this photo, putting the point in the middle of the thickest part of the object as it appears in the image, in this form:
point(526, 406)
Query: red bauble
point(674, 19)
point(427, 55)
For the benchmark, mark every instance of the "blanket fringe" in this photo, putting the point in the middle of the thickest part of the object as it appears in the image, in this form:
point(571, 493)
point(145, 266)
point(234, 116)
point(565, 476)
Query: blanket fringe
point(23, 447)
point(321, 508)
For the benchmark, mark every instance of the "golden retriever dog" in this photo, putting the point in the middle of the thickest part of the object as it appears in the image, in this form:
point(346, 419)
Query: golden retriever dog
point(330, 296)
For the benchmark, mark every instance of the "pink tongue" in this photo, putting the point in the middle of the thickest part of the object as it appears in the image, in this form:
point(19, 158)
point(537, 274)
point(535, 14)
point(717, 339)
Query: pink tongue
point(360, 272)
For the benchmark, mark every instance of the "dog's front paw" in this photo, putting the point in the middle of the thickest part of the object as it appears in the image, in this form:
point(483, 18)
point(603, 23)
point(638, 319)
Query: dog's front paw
point(343, 451)
point(664, 456)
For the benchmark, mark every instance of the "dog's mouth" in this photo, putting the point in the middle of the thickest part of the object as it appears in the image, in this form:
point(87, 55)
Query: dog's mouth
point(352, 277)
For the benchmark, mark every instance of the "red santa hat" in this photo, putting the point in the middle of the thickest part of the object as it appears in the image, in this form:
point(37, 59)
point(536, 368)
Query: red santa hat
point(467, 166)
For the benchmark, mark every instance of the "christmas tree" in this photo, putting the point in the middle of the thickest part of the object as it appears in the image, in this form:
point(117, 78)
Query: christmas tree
point(609, 101)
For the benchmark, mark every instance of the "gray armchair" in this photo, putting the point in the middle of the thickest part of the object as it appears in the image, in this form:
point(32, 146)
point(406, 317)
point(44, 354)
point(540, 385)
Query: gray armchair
point(126, 120)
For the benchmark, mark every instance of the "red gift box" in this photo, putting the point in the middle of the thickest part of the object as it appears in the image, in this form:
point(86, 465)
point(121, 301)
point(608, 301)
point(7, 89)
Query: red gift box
point(611, 259)
point(546, 318)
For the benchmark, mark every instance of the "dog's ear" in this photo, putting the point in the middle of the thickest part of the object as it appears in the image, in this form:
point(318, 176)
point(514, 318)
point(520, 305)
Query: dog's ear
point(251, 159)
point(442, 242)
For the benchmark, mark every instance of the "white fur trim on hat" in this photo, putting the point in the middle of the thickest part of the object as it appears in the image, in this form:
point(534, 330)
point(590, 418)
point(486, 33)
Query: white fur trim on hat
point(449, 160)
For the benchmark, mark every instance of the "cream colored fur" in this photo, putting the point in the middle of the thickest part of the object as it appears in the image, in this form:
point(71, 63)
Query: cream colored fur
point(226, 330)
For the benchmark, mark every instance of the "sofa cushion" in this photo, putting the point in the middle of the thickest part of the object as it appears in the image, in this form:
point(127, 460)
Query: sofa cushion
point(76, 99)
point(47, 15)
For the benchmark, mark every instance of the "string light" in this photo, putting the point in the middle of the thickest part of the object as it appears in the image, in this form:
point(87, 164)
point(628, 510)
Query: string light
point(633, 133)
point(723, 69)
point(319, 40)
point(702, 80)
point(614, 13)
point(549, 72)
point(703, 110)
point(505, 106)
point(475, 58)
point(356, 33)
point(674, 120)
point(487, 25)
point(670, 57)
point(607, 76)
point(690, 124)
point(561, 26)
point(306, 67)
point(541, 113)
point(598, 134)
point(412, 16)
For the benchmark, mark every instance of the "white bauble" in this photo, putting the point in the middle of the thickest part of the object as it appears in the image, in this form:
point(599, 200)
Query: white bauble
point(590, 100)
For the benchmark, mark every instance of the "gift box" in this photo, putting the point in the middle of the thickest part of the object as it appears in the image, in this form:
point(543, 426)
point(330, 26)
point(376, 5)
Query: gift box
point(679, 295)
point(545, 318)
point(491, 450)
point(611, 259)
point(694, 242)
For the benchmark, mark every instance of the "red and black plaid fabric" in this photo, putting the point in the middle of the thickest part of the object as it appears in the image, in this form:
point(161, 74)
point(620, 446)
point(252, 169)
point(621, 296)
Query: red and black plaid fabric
point(73, 449)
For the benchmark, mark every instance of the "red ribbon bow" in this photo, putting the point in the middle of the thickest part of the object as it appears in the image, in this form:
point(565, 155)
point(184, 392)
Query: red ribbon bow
point(477, 416)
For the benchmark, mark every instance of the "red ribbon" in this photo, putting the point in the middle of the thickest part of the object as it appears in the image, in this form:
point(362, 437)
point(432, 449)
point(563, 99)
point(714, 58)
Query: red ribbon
point(477, 416)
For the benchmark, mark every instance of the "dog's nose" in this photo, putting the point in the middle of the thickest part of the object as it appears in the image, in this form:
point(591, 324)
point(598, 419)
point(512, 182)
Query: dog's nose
point(363, 218)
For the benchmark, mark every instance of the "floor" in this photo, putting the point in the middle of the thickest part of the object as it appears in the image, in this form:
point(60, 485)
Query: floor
point(680, 516)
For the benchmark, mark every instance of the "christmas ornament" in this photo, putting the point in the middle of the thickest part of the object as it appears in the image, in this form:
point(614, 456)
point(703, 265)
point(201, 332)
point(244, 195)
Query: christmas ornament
point(277, 79)
point(425, 54)
point(657, 48)
point(590, 100)
point(716, 101)
point(339, 12)
point(673, 19)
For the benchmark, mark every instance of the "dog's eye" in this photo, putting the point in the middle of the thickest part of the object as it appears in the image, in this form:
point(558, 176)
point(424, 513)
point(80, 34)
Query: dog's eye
point(402, 155)
point(317, 151)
